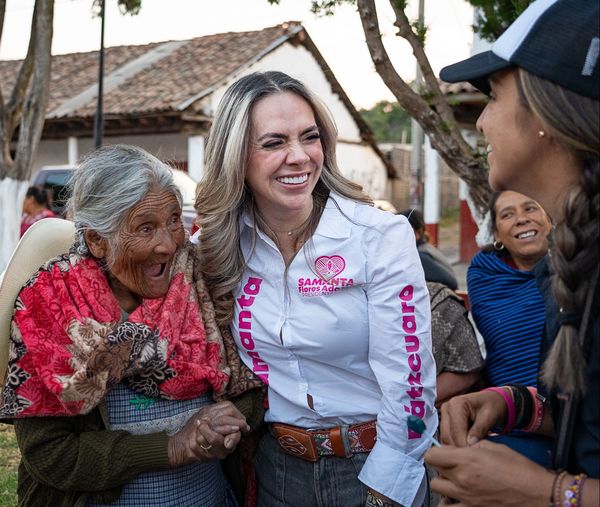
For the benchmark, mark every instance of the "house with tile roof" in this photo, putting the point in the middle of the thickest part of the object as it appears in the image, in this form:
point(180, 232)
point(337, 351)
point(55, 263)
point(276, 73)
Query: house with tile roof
point(162, 97)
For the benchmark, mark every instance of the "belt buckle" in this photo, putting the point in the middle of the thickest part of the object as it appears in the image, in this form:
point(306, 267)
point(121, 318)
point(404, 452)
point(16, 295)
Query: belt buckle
point(295, 442)
point(340, 443)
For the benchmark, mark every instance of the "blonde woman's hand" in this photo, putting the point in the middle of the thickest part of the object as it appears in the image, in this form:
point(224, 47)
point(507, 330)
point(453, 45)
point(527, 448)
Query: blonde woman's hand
point(467, 419)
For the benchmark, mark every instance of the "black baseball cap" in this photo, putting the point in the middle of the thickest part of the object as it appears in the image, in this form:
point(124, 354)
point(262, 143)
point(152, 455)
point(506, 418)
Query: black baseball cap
point(557, 40)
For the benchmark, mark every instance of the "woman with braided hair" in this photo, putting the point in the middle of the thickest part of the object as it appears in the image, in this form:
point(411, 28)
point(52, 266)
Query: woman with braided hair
point(543, 135)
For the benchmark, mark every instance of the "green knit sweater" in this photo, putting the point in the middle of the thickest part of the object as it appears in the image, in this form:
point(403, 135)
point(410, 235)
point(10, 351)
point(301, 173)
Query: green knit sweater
point(63, 458)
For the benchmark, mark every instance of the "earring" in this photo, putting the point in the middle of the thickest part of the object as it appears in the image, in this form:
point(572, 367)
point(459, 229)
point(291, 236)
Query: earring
point(498, 245)
point(541, 133)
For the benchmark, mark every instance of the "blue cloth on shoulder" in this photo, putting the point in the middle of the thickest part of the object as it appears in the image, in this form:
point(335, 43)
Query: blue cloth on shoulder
point(508, 310)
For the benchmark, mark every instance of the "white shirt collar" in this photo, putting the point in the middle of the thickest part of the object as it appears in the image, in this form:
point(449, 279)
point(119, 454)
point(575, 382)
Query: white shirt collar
point(335, 221)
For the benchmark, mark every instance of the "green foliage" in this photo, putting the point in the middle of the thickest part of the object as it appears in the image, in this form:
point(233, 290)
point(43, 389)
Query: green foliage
point(125, 6)
point(387, 121)
point(9, 462)
point(327, 7)
point(427, 95)
point(494, 16)
point(420, 30)
point(322, 7)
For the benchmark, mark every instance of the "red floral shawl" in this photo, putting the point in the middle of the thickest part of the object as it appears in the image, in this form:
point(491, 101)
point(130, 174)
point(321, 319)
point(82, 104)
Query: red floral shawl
point(69, 342)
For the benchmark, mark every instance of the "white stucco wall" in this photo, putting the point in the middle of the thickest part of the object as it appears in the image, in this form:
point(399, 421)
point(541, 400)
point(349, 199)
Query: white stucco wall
point(362, 165)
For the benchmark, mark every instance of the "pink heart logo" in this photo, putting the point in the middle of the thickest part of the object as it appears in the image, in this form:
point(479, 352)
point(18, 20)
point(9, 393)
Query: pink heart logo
point(329, 267)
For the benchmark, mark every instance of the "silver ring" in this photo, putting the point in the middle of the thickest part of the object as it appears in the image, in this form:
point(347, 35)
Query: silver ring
point(206, 447)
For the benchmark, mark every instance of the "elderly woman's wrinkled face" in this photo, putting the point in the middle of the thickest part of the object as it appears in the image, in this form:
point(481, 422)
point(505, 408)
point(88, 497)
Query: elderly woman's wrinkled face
point(147, 242)
point(522, 226)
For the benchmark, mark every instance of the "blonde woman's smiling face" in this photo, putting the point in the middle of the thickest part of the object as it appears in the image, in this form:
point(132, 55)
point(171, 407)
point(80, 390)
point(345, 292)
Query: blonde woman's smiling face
point(286, 155)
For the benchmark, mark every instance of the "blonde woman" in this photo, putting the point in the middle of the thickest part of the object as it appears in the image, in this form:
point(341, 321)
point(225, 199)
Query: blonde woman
point(326, 299)
point(543, 134)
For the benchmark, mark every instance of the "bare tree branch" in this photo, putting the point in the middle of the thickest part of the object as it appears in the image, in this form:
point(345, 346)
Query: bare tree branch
point(34, 109)
point(2, 110)
point(417, 44)
point(412, 102)
point(15, 103)
point(2, 12)
point(438, 123)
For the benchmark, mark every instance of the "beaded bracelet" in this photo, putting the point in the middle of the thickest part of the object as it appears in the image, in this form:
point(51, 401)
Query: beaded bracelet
point(572, 494)
point(555, 494)
point(510, 407)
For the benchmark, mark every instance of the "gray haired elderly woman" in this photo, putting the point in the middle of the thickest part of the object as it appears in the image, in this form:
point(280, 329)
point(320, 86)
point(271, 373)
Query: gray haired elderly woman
point(115, 356)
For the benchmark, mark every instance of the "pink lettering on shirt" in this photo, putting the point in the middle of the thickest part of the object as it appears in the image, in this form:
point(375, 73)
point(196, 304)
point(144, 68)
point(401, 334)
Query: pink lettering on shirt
point(416, 405)
point(328, 268)
point(246, 300)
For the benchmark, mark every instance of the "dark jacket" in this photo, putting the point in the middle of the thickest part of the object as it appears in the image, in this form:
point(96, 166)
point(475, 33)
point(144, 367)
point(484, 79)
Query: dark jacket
point(584, 455)
point(436, 267)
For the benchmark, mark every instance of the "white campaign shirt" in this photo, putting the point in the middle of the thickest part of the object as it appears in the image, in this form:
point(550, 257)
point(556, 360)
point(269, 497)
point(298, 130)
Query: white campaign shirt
point(348, 325)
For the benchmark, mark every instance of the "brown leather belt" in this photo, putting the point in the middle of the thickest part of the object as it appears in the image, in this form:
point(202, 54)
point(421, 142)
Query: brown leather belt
point(341, 441)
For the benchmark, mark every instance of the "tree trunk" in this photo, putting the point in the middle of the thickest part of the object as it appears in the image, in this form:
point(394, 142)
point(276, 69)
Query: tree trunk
point(27, 105)
point(430, 109)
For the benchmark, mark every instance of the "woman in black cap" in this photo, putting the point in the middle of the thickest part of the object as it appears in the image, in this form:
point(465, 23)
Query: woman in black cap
point(542, 130)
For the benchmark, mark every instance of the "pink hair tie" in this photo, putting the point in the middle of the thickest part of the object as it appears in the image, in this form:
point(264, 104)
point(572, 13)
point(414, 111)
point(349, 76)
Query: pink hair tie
point(510, 407)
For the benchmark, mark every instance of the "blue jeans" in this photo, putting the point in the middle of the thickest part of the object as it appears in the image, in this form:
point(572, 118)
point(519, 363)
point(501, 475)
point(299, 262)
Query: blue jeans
point(285, 480)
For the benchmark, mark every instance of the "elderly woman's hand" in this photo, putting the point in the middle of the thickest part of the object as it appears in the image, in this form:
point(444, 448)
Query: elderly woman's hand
point(489, 474)
point(212, 433)
point(467, 419)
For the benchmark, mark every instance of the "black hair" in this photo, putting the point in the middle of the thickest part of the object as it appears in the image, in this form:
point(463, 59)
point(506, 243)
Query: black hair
point(415, 218)
point(38, 194)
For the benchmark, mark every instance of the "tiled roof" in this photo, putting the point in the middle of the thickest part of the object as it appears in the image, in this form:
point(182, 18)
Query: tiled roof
point(165, 77)
point(162, 86)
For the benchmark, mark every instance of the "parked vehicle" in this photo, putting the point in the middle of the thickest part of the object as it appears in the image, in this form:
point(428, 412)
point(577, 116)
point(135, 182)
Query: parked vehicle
point(54, 179)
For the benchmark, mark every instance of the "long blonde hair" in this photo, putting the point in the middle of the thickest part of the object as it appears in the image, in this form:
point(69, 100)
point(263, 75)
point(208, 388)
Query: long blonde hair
point(573, 121)
point(224, 196)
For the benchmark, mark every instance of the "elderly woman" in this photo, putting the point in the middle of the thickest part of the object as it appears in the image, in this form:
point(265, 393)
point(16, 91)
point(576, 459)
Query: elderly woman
point(115, 355)
point(326, 299)
point(542, 126)
point(500, 279)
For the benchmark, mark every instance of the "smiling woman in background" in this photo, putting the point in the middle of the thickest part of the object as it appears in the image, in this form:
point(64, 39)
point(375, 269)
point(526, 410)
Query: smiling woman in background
point(507, 305)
